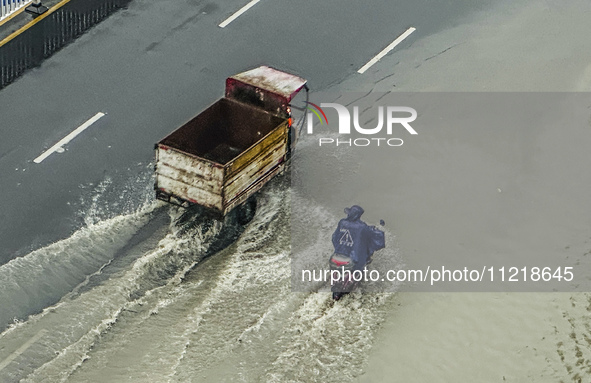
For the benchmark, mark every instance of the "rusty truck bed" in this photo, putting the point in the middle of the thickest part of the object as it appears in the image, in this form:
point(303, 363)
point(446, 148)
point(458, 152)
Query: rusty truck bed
point(226, 153)
point(222, 156)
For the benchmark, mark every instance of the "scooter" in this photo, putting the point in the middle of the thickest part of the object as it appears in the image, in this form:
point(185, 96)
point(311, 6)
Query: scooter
point(344, 266)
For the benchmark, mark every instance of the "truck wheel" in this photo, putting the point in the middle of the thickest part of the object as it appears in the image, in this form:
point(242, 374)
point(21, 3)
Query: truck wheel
point(246, 211)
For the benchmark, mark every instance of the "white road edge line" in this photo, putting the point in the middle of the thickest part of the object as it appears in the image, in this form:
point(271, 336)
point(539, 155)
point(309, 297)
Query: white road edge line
point(22, 349)
point(386, 50)
point(68, 138)
point(237, 14)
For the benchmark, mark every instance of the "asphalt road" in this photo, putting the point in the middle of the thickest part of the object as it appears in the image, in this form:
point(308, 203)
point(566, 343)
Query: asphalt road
point(153, 66)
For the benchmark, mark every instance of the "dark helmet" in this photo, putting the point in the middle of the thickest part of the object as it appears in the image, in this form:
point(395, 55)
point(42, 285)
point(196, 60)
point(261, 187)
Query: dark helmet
point(354, 212)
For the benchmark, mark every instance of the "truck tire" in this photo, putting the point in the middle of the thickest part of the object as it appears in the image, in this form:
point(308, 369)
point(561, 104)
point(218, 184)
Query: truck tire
point(246, 211)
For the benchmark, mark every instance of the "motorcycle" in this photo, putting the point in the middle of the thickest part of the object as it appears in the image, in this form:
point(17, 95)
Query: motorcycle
point(344, 266)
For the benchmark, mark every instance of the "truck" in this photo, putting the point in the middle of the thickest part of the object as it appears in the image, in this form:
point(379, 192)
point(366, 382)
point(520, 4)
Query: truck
point(229, 151)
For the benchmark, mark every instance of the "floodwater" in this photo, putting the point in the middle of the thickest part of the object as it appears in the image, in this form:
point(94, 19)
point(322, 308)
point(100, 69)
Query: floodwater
point(130, 297)
point(155, 310)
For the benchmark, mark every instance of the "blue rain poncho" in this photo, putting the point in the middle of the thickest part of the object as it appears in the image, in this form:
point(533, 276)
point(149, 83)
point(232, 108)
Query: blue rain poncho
point(355, 239)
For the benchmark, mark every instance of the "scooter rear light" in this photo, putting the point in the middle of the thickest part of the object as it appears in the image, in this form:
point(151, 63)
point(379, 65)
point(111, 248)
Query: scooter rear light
point(339, 263)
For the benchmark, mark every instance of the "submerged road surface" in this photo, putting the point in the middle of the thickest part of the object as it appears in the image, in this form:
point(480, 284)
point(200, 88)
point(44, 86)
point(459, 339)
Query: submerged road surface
point(101, 283)
point(150, 68)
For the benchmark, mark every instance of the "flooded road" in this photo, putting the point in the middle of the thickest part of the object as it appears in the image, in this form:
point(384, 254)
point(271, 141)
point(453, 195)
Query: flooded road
point(156, 311)
point(126, 293)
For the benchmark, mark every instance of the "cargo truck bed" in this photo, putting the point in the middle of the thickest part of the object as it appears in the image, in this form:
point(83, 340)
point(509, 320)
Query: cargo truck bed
point(221, 157)
point(226, 153)
point(223, 131)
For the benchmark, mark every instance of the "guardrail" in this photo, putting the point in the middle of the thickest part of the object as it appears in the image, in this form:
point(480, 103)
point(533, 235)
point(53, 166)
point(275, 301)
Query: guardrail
point(8, 7)
point(30, 47)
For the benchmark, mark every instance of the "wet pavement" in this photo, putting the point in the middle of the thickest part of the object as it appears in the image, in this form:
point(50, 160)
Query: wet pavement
point(39, 38)
point(150, 68)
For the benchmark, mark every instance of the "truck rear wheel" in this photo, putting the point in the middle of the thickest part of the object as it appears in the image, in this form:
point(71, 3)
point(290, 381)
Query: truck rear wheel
point(246, 211)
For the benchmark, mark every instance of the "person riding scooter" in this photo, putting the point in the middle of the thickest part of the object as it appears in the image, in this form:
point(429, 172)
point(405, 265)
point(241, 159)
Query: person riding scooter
point(354, 243)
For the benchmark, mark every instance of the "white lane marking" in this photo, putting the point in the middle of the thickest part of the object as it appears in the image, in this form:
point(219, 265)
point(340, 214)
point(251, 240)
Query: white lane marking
point(237, 14)
point(59, 146)
point(387, 49)
point(22, 349)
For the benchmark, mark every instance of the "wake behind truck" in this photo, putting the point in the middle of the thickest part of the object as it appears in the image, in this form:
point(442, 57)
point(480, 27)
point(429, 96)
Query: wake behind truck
point(228, 152)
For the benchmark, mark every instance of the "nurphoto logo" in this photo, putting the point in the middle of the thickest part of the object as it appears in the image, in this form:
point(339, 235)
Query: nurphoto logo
point(392, 117)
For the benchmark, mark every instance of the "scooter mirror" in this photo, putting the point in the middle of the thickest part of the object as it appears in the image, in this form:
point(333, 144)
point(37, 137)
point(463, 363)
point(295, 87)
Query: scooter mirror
point(382, 223)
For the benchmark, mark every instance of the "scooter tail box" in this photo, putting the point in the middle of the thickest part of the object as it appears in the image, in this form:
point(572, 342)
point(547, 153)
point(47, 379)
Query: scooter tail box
point(340, 261)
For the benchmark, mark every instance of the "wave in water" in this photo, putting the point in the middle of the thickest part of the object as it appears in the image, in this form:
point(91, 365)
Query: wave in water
point(173, 316)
